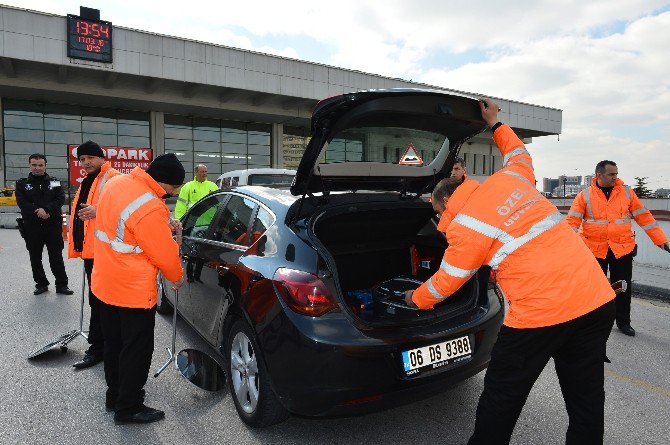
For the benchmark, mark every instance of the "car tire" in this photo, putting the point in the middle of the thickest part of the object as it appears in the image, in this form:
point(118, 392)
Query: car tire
point(163, 306)
point(255, 401)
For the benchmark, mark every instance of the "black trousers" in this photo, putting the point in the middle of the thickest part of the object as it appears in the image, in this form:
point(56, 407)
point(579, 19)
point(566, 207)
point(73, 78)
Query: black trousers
point(95, 337)
point(620, 269)
point(129, 345)
point(518, 358)
point(52, 237)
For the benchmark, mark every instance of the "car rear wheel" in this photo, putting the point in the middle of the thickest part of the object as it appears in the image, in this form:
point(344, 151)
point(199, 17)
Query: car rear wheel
point(163, 306)
point(256, 403)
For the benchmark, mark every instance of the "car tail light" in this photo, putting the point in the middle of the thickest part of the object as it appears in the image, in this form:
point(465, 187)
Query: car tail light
point(304, 292)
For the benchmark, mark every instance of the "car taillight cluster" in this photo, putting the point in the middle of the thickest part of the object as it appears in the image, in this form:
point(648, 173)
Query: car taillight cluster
point(304, 292)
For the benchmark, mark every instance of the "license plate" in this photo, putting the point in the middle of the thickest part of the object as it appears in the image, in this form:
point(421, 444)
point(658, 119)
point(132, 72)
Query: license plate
point(436, 356)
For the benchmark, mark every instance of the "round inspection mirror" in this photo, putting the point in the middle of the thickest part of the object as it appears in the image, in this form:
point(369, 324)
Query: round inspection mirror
point(52, 344)
point(200, 369)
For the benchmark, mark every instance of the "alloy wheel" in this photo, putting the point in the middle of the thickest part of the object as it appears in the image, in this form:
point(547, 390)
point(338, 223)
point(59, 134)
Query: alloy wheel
point(244, 372)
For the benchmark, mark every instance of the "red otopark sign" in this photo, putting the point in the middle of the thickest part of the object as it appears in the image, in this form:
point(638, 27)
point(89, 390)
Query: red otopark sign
point(122, 159)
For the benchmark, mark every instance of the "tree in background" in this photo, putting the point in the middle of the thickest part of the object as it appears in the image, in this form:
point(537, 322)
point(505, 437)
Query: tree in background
point(641, 189)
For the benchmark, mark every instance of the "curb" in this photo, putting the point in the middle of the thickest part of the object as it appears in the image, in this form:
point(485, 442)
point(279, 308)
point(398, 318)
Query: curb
point(650, 292)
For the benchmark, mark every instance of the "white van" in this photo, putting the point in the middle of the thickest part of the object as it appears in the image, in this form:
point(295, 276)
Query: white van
point(269, 177)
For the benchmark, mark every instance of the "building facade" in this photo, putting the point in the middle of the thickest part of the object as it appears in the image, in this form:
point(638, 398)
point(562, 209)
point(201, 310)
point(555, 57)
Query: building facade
point(220, 106)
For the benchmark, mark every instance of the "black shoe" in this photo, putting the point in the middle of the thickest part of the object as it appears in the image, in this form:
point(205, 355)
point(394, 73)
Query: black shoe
point(627, 329)
point(64, 290)
point(40, 290)
point(147, 415)
point(109, 404)
point(88, 361)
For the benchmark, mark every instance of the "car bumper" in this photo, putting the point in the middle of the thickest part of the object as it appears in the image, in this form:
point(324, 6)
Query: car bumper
point(327, 367)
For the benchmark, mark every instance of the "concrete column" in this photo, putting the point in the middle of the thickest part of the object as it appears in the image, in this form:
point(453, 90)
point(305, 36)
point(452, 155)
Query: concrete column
point(2, 147)
point(277, 146)
point(157, 126)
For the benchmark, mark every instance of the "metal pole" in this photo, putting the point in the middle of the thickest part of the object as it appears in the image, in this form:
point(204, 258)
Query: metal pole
point(83, 290)
point(171, 352)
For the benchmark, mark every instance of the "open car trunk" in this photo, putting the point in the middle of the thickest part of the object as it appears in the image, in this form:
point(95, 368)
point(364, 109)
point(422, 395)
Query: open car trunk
point(373, 243)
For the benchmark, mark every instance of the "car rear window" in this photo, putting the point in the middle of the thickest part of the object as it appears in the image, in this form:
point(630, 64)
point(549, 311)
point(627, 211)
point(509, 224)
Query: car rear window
point(392, 145)
point(271, 180)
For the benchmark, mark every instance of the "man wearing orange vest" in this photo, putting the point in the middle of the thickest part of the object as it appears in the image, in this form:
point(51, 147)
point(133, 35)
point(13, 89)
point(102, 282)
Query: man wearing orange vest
point(133, 243)
point(81, 234)
point(605, 212)
point(560, 303)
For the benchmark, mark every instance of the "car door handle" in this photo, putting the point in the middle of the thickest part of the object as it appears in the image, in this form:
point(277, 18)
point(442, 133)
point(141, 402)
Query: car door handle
point(222, 269)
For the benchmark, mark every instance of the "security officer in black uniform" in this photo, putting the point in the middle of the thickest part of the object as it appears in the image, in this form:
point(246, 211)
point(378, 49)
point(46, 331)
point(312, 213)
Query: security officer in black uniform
point(40, 198)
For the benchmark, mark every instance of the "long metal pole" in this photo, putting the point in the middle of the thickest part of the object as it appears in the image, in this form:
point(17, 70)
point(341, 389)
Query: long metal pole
point(83, 290)
point(171, 352)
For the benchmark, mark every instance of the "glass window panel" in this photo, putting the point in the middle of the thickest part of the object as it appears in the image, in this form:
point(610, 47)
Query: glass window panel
point(62, 137)
point(263, 220)
point(206, 158)
point(233, 148)
point(133, 130)
point(225, 168)
point(134, 141)
point(16, 173)
point(178, 144)
point(178, 132)
point(234, 126)
point(260, 160)
point(206, 135)
point(99, 114)
point(22, 134)
point(27, 148)
point(234, 159)
point(259, 138)
point(58, 173)
point(23, 121)
point(213, 170)
point(55, 149)
point(99, 127)
point(183, 156)
point(198, 220)
point(189, 168)
point(100, 139)
point(259, 150)
point(51, 123)
point(54, 162)
point(207, 146)
point(234, 137)
point(18, 160)
point(233, 227)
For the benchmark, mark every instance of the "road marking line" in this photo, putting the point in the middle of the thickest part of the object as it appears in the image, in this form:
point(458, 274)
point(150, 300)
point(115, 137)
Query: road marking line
point(641, 383)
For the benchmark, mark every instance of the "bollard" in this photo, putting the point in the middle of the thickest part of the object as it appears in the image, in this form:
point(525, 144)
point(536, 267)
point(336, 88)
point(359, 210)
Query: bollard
point(64, 226)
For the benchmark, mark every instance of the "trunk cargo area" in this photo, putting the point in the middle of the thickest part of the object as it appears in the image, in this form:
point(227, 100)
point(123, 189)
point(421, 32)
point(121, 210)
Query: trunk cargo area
point(380, 250)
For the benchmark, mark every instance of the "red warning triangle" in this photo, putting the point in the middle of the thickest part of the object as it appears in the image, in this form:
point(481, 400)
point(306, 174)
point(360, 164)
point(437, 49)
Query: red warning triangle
point(411, 156)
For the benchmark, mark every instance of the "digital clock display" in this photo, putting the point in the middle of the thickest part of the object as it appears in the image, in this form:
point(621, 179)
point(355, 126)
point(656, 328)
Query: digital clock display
point(89, 39)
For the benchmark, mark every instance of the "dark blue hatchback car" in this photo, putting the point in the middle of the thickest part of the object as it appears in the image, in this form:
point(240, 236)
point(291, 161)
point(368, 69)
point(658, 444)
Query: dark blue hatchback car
point(300, 290)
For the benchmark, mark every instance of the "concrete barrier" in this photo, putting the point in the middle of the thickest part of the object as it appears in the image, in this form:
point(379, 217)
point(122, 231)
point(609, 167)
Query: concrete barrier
point(8, 220)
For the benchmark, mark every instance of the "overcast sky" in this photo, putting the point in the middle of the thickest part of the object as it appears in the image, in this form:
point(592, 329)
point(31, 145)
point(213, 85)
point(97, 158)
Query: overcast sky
point(606, 64)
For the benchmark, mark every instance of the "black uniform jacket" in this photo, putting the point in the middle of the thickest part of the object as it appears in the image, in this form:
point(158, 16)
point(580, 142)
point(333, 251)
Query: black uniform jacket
point(36, 192)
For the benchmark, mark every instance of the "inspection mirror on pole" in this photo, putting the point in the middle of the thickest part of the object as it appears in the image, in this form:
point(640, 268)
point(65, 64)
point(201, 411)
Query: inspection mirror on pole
point(62, 340)
point(195, 366)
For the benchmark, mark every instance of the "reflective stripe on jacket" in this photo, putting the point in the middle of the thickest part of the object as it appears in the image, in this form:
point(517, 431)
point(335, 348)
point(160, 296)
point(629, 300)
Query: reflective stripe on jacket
point(544, 270)
point(106, 173)
point(134, 242)
point(608, 223)
point(191, 193)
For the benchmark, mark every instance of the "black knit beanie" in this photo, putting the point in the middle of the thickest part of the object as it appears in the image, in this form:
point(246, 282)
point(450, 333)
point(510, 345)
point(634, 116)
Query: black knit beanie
point(167, 169)
point(90, 148)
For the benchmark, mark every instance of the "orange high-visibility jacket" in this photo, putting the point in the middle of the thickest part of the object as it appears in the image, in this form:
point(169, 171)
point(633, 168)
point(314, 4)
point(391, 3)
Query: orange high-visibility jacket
point(106, 172)
point(608, 223)
point(134, 242)
point(544, 270)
